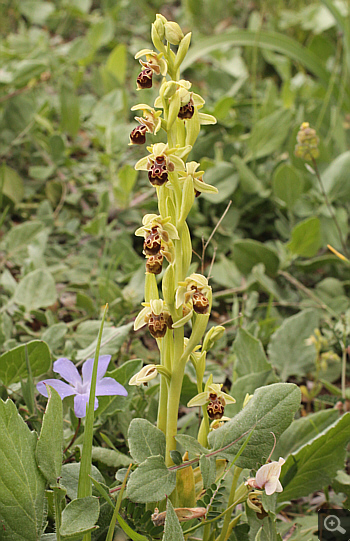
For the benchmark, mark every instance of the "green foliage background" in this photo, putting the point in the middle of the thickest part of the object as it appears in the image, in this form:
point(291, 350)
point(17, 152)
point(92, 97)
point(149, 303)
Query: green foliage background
point(71, 200)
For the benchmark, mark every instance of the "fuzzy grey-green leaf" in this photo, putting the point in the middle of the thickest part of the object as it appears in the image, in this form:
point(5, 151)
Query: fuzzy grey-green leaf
point(272, 408)
point(172, 529)
point(145, 440)
point(151, 481)
point(50, 444)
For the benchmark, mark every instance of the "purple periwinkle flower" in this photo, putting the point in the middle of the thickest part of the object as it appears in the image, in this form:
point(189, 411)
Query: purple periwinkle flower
point(80, 387)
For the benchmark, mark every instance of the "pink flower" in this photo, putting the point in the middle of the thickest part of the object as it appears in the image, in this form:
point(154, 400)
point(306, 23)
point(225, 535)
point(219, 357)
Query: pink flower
point(267, 477)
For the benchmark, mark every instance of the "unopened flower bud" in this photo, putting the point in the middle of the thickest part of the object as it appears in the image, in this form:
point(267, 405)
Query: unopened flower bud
point(307, 146)
point(159, 25)
point(214, 334)
point(154, 264)
point(144, 79)
point(170, 89)
point(138, 135)
point(173, 32)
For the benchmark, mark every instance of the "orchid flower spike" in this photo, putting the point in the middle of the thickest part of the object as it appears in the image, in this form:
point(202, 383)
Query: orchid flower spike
point(80, 386)
point(267, 477)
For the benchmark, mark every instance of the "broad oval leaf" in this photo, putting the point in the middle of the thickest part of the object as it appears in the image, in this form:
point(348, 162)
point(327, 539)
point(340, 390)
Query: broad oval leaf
point(13, 363)
point(80, 517)
point(151, 481)
point(247, 253)
point(272, 408)
point(36, 290)
point(145, 440)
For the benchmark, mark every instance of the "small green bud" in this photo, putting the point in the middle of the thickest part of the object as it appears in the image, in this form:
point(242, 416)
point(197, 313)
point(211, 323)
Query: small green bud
point(168, 285)
point(157, 42)
point(307, 146)
point(182, 50)
point(187, 198)
point(214, 334)
point(173, 32)
point(174, 107)
point(159, 25)
point(170, 89)
point(246, 399)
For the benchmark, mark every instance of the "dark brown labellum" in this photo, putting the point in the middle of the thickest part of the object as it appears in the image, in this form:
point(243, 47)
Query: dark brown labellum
point(157, 325)
point(152, 243)
point(200, 303)
point(144, 79)
point(154, 264)
point(158, 174)
point(215, 410)
point(138, 135)
point(186, 111)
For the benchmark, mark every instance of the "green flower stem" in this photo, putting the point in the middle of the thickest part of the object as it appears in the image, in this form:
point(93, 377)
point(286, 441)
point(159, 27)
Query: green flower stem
point(163, 392)
point(84, 484)
point(173, 406)
point(225, 528)
point(110, 533)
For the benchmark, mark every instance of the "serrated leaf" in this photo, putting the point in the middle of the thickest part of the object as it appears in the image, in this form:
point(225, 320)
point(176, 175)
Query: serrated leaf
point(22, 487)
point(79, 517)
point(287, 349)
point(13, 363)
point(316, 464)
point(49, 450)
point(145, 440)
point(272, 408)
point(151, 481)
point(172, 529)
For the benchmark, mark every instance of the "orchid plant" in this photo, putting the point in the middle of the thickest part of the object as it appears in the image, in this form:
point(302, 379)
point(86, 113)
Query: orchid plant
point(177, 312)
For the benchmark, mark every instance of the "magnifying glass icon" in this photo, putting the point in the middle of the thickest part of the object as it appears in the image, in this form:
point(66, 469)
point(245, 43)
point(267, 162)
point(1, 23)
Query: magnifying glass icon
point(332, 524)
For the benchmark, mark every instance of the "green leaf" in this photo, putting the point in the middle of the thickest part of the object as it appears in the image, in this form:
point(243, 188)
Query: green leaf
point(247, 253)
point(100, 33)
point(190, 444)
point(304, 429)
point(272, 408)
point(242, 386)
point(172, 529)
point(145, 440)
point(13, 363)
point(36, 290)
point(70, 113)
point(20, 236)
point(151, 481)
point(37, 12)
point(288, 184)
point(335, 178)
point(224, 178)
point(54, 335)
point(248, 181)
point(306, 238)
point(208, 470)
point(22, 487)
point(50, 444)
point(269, 134)
point(250, 354)
point(11, 184)
point(70, 478)
point(79, 517)
point(316, 464)
point(287, 349)
point(116, 63)
point(129, 531)
point(112, 340)
point(110, 457)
